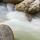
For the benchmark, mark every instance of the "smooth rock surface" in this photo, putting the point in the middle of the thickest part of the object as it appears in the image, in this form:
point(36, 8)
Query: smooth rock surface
point(6, 32)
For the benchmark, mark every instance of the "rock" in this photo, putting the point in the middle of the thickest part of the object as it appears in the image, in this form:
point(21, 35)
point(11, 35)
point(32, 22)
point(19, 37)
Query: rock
point(6, 32)
point(34, 7)
point(29, 7)
point(24, 5)
point(12, 1)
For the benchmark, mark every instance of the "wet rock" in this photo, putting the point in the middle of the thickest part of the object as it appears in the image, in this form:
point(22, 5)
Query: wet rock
point(6, 32)
point(24, 5)
point(12, 1)
point(29, 7)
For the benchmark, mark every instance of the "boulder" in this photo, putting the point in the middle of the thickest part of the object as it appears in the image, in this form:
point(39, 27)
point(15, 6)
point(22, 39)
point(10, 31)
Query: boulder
point(6, 32)
point(34, 7)
point(1, 1)
point(30, 7)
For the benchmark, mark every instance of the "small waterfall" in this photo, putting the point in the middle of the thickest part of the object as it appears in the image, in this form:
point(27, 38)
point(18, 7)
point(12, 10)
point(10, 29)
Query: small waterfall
point(23, 30)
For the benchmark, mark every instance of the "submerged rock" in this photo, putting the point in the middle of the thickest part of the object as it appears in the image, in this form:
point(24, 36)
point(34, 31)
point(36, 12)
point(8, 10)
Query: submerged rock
point(6, 32)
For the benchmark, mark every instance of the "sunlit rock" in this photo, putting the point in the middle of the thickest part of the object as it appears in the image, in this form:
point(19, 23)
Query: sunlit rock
point(29, 7)
point(12, 1)
point(23, 5)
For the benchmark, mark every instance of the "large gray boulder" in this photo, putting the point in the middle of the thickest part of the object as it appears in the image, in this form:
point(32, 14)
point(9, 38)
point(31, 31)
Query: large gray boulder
point(6, 32)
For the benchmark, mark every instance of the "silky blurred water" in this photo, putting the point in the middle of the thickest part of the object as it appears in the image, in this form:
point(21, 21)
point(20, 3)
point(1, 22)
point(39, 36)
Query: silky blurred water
point(21, 27)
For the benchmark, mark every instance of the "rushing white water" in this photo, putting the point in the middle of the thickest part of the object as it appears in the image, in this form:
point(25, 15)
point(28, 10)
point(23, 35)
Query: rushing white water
point(22, 28)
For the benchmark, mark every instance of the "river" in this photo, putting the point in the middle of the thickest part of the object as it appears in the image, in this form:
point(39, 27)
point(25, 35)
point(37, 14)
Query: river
point(21, 27)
